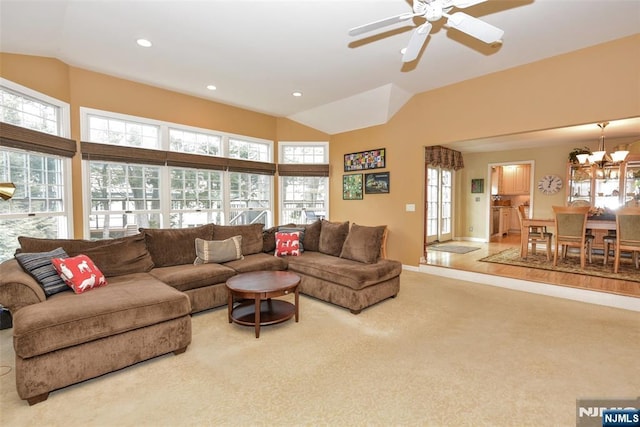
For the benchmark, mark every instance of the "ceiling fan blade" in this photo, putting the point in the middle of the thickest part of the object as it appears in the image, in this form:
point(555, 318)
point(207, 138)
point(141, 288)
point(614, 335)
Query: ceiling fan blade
point(381, 23)
point(416, 41)
point(475, 27)
point(461, 4)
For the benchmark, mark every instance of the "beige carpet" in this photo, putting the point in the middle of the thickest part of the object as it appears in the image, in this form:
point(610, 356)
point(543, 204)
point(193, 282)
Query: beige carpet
point(443, 353)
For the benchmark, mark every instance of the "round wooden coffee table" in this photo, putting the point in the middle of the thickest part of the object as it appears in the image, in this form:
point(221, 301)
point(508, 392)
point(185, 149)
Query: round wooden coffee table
point(250, 303)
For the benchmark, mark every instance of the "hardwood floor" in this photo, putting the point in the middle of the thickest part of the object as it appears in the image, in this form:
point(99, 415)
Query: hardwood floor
point(469, 262)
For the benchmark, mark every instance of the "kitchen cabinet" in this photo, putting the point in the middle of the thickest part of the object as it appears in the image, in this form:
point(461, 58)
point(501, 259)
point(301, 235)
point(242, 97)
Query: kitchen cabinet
point(505, 220)
point(609, 187)
point(514, 180)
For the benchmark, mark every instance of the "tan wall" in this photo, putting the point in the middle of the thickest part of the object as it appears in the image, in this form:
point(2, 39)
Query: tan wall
point(83, 88)
point(585, 86)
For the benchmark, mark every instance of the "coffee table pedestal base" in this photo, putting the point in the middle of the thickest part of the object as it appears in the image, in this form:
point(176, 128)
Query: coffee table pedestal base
point(270, 311)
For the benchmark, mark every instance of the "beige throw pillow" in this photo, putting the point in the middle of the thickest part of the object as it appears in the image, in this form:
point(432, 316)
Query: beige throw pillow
point(216, 251)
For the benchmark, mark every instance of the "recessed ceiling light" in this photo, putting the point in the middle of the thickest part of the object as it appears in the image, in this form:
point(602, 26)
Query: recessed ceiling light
point(403, 50)
point(297, 93)
point(144, 43)
point(211, 87)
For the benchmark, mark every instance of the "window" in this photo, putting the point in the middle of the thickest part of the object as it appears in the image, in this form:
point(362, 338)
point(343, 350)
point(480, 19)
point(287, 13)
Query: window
point(114, 131)
point(124, 197)
point(250, 196)
point(41, 204)
point(239, 149)
point(304, 181)
point(196, 197)
point(172, 176)
point(195, 142)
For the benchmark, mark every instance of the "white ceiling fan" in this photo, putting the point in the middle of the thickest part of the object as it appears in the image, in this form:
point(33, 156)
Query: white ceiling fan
point(433, 10)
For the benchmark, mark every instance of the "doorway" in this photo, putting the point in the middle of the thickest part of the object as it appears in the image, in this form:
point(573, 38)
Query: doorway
point(510, 186)
point(439, 205)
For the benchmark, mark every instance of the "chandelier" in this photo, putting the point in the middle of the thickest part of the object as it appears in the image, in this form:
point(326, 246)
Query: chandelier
point(601, 157)
point(6, 190)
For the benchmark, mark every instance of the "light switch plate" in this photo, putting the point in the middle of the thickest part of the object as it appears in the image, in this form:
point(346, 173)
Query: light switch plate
point(410, 207)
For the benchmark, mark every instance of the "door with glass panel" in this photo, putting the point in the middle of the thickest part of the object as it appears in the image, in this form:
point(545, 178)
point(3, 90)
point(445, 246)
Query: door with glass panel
point(439, 195)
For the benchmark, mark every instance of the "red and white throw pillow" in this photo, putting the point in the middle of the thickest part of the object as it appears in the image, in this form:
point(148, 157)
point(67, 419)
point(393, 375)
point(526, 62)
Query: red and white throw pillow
point(287, 244)
point(79, 272)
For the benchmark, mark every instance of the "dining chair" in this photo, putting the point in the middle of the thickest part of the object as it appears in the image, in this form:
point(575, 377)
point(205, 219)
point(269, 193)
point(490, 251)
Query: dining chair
point(627, 235)
point(571, 224)
point(537, 234)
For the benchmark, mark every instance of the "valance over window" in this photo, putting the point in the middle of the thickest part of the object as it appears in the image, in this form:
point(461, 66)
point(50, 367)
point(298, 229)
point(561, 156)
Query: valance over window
point(32, 140)
point(297, 169)
point(118, 153)
point(443, 157)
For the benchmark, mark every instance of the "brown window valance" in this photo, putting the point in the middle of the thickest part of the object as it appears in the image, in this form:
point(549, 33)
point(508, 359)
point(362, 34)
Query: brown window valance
point(249, 166)
point(118, 153)
point(290, 169)
point(443, 157)
point(197, 161)
point(32, 140)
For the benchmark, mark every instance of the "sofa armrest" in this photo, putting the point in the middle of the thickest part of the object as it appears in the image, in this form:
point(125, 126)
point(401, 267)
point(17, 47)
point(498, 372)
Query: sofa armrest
point(383, 246)
point(17, 288)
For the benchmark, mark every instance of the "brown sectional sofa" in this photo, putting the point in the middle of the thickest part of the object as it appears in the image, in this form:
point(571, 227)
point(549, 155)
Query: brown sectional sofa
point(154, 287)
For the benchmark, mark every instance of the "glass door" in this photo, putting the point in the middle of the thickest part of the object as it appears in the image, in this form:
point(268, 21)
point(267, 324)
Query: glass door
point(439, 196)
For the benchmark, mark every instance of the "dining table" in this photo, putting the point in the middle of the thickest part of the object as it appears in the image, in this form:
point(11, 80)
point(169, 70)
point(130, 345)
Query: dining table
point(593, 223)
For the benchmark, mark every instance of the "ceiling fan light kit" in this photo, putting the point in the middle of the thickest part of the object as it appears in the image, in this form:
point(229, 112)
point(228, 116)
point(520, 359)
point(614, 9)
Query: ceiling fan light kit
point(434, 10)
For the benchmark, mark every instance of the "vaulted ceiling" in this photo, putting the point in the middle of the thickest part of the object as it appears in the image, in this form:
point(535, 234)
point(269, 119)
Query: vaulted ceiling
point(258, 52)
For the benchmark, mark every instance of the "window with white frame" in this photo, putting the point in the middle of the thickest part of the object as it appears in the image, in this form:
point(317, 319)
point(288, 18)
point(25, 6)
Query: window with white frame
point(196, 197)
point(41, 204)
point(304, 195)
point(186, 190)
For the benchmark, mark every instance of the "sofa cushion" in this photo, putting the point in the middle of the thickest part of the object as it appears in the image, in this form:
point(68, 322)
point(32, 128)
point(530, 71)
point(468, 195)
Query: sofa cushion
point(188, 276)
point(294, 229)
point(67, 319)
point(209, 251)
point(175, 246)
point(352, 274)
point(332, 236)
point(40, 267)
point(114, 257)
point(363, 243)
point(258, 262)
point(287, 244)
point(79, 272)
point(252, 242)
point(269, 239)
point(311, 240)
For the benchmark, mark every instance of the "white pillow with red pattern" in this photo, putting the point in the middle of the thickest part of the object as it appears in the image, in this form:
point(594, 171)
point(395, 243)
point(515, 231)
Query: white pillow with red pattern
point(79, 272)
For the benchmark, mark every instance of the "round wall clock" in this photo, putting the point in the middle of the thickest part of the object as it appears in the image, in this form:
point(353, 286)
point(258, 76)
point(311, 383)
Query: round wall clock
point(550, 184)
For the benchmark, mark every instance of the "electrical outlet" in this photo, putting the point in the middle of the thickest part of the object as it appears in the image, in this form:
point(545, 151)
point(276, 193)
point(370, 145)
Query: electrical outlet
point(470, 228)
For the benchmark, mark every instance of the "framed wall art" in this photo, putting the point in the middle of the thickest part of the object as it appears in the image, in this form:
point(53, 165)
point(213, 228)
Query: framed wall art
point(376, 183)
point(363, 160)
point(352, 187)
point(477, 185)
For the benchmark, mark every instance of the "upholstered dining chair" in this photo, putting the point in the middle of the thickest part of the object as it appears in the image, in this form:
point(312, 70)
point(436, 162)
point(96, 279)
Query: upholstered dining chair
point(537, 234)
point(627, 235)
point(571, 223)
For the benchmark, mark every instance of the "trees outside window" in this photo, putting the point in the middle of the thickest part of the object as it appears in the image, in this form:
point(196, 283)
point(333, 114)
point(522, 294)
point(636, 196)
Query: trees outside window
point(41, 204)
point(304, 195)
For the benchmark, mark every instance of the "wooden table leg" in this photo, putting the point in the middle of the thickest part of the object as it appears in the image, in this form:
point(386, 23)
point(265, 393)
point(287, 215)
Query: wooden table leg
point(296, 301)
point(524, 242)
point(229, 304)
point(257, 317)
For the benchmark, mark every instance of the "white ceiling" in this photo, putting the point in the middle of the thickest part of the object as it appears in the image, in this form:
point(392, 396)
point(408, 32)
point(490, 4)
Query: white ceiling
point(258, 52)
